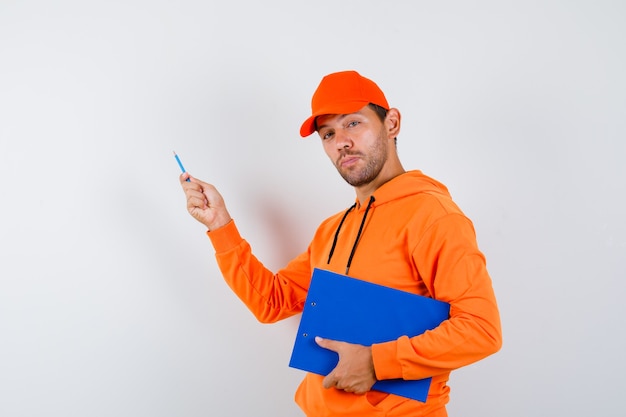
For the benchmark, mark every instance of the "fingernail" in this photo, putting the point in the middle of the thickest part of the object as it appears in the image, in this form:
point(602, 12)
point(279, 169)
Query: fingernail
point(318, 339)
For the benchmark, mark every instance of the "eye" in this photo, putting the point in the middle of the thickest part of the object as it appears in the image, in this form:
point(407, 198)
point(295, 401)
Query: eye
point(353, 123)
point(326, 135)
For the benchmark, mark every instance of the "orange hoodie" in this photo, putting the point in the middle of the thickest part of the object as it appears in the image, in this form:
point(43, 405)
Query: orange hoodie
point(411, 236)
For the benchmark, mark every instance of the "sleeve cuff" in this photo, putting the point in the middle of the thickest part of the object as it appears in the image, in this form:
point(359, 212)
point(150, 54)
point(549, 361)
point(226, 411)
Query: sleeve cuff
point(225, 238)
point(386, 365)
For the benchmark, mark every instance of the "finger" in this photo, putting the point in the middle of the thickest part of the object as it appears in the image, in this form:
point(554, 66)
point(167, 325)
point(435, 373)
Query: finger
point(330, 381)
point(328, 344)
point(194, 195)
point(197, 202)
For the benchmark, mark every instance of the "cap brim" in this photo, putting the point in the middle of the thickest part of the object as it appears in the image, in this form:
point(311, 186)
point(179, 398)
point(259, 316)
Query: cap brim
point(308, 127)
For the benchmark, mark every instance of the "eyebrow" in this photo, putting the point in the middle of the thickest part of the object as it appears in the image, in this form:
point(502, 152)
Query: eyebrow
point(341, 117)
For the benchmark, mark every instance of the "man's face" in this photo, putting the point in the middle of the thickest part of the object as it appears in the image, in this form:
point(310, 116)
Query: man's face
point(356, 143)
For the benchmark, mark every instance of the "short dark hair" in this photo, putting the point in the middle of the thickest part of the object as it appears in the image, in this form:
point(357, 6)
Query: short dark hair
point(381, 112)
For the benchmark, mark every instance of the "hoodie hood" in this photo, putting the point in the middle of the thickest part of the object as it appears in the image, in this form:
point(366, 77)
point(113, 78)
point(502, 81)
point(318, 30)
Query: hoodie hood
point(407, 184)
point(404, 185)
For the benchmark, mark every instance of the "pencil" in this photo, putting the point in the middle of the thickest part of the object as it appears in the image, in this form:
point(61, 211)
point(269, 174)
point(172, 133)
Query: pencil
point(180, 164)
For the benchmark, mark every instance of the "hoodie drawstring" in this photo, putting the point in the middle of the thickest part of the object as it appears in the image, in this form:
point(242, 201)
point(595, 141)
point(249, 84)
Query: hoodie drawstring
point(332, 249)
point(358, 235)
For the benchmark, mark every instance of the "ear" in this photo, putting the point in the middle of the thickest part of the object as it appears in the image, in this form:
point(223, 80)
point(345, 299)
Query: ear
point(392, 123)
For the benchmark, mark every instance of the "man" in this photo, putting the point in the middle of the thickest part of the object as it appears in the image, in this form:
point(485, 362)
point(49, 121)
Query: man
point(404, 231)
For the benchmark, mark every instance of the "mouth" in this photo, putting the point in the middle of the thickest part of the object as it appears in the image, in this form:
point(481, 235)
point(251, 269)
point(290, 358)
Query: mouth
point(348, 160)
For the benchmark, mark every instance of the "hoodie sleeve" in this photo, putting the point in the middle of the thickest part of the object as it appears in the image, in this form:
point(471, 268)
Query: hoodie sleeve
point(454, 270)
point(269, 296)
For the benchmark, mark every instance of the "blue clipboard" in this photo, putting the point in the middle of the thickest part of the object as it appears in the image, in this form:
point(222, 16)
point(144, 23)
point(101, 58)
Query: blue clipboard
point(342, 308)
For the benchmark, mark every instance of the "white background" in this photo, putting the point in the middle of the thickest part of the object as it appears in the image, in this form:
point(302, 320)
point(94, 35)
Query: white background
point(111, 303)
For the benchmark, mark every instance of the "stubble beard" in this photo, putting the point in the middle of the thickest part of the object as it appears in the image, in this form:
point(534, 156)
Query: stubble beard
point(374, 158)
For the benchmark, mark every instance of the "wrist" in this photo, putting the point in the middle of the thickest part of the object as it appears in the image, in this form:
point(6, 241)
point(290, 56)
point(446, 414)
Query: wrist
point(218, 222)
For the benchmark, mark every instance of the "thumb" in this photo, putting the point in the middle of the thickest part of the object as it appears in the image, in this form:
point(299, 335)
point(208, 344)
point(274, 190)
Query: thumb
point(184, 177)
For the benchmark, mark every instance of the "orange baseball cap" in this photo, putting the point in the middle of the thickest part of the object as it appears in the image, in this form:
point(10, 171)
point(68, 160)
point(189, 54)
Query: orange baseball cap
point(342, 93)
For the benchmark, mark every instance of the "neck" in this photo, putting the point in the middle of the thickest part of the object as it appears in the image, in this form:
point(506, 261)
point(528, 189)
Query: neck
point(364, 191)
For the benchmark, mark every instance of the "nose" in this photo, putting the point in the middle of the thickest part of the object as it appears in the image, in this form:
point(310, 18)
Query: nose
point(342, 140)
